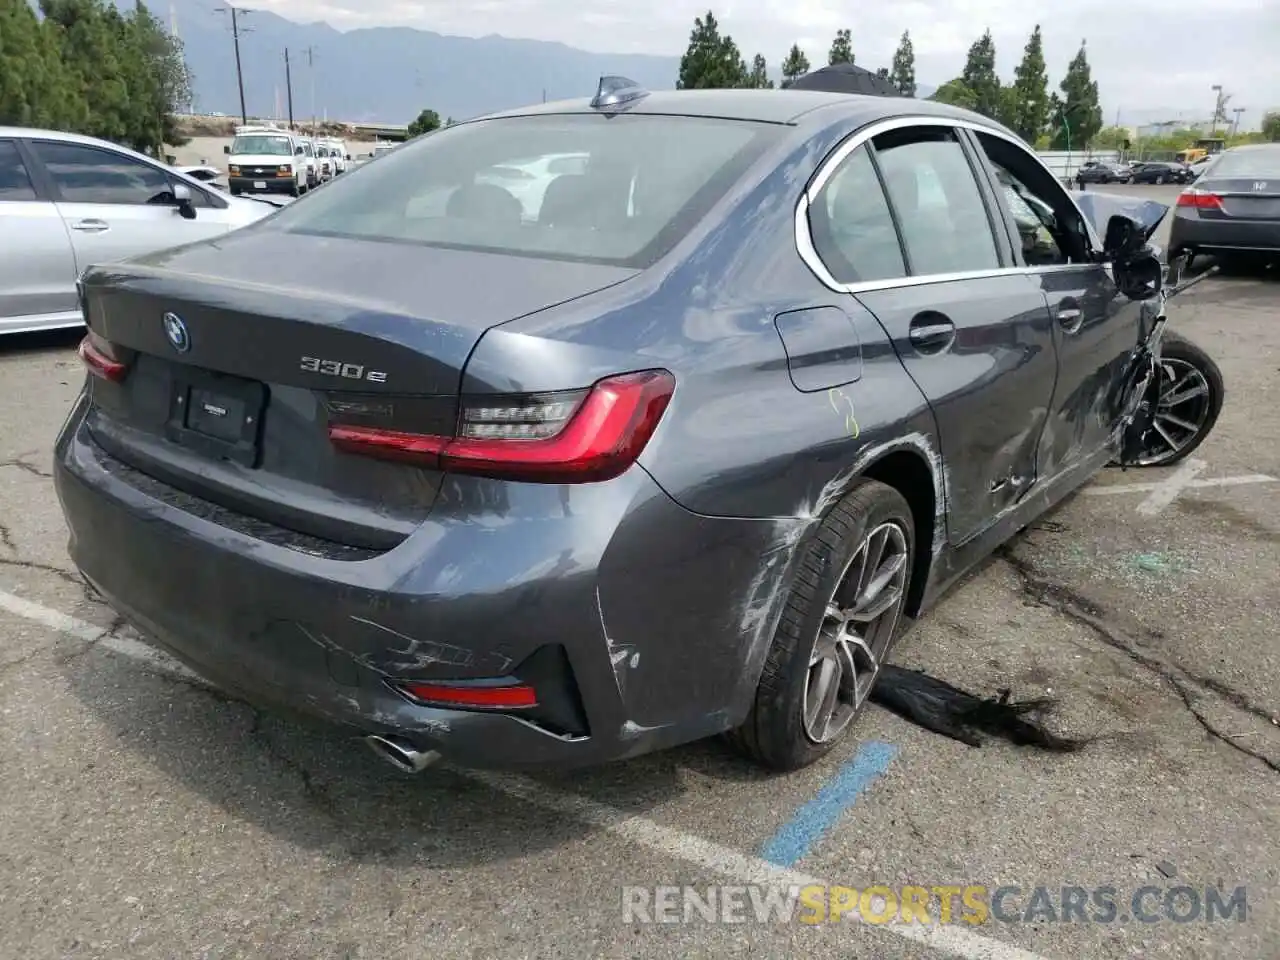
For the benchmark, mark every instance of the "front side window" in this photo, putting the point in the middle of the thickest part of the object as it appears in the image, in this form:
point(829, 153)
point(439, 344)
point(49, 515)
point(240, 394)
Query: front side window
point(85, 174)
point(15, 184)
point(586, 187)
point(931, 186)
point(1049, 224)
point(852, 229)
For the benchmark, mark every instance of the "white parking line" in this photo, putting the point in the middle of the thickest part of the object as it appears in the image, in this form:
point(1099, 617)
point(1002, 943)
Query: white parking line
point(1168, 490)
point(1111, 489)
point(736, 867)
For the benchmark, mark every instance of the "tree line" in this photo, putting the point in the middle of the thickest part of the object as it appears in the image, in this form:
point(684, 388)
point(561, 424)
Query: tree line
point(85, 67)
point(1067, 118)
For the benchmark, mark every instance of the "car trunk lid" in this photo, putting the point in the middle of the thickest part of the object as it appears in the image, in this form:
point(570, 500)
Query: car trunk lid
point(1243, 198)
point(240, 353)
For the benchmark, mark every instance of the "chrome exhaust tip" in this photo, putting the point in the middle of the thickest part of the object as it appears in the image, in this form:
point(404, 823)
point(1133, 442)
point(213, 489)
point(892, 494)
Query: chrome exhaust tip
point(401, 754)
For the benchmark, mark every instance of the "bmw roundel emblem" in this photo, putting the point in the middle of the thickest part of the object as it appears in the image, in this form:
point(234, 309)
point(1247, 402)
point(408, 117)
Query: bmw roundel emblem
point(176, 331)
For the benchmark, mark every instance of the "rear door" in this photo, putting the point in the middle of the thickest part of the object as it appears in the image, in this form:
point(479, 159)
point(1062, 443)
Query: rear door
point(1095, 328)
point(116, 206)
point(37, 266)
point(971, 331)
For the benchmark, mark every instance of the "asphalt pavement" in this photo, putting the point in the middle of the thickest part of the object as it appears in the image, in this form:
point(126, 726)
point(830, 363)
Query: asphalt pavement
point(145, 815)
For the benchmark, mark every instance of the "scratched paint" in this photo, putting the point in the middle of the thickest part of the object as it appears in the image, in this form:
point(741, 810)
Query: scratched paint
point(843, 407)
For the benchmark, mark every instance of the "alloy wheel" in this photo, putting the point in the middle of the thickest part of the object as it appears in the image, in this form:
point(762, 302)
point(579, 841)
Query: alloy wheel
point(1181, 412)
point(857, 626)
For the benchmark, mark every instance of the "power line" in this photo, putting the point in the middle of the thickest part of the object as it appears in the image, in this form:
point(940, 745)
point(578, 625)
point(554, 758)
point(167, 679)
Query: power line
point(236, 30)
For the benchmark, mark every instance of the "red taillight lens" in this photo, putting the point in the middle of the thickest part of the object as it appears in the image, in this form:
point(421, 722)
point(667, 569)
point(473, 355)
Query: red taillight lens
point(572, 437)
point(1200, 200)
point(98, 358)
point(472, 696)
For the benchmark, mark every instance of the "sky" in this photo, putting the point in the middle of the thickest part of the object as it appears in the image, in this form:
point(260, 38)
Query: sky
point(1150, 57)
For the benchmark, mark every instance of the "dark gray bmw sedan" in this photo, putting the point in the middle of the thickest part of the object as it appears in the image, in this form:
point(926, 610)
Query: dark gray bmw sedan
point(589, 429)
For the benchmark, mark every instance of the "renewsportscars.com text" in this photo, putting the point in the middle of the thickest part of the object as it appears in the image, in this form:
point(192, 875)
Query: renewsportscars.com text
point(972, 904)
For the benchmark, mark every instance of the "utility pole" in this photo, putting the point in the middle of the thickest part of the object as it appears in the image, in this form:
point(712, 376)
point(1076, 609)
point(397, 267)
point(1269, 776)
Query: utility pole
point(288, 84)
point(311, 69)
point(1218, 103)
point(236, 30)
point(1235, 126)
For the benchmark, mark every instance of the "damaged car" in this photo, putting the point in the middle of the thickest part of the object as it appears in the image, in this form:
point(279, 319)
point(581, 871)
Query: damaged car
point(672, 448)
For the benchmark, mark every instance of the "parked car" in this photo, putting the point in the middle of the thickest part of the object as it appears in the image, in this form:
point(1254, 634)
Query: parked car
point(328, 169)
point(1160, 172)
point(1101, 172)
point(268, 160)
point(1233, 209)
point(338, 153)
point(766, 375)
point(68, 202)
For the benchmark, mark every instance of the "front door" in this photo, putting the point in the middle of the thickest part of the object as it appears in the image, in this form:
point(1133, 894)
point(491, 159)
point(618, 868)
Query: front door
point(1096, 328)
point(114, 205)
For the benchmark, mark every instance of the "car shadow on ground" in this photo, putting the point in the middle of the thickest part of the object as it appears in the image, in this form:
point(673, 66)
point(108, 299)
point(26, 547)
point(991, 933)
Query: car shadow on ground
point(15, 345)
point(328, 793)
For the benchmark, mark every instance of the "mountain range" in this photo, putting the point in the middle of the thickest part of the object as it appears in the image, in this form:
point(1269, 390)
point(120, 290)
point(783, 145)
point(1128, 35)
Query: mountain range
point(383, 74)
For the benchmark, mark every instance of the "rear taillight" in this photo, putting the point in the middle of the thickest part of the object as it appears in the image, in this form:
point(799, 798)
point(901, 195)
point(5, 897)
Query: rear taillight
point(1199, 199)
point(571, 437)
point(101, 360)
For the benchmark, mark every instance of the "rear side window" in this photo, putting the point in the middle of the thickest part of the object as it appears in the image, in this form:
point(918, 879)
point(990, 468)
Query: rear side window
point(852, 229)
point(585, 187)
point(1247, 163)
point(939, 206)
point(15, 184)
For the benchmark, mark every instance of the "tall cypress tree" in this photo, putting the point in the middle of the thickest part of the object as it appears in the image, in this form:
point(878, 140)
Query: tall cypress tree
point(903, 74)
point(980, 76)
point(1079, 105)
point(795, 65)
point(1031, 90)
point(712, 60)
point(841, 48)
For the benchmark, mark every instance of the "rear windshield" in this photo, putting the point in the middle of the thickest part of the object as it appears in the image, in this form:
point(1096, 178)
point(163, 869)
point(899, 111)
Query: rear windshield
point(582, 187)
point(1247, 163)
point(263, 146)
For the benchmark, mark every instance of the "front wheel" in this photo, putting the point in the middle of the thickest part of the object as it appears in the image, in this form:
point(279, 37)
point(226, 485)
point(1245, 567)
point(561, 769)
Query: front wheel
point(1187, 395)
point(841, 618)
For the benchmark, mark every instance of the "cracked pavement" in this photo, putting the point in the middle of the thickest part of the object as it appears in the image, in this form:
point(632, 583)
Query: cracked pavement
point(146, 814)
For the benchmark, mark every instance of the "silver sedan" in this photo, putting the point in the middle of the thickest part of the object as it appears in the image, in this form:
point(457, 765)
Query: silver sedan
point(68, 202)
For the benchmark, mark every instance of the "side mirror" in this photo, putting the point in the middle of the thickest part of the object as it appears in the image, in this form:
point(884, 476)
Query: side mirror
point(227, 149)
point(348, 156)
point(1140, 277)
point(1124, 239)
point(182, 198)
point(298, 152)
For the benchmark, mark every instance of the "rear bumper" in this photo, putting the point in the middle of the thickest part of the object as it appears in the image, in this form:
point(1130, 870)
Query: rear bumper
point(647, 607)
point(271, 184)
point(1189, 230)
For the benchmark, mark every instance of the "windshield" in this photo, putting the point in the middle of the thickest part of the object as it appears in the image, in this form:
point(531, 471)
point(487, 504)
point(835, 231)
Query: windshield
point(1247, 163)
point(262, 145)
point(584, 187)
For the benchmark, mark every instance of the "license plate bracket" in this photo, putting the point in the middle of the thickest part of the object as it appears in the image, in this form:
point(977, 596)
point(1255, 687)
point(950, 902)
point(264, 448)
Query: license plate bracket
point(217, 415)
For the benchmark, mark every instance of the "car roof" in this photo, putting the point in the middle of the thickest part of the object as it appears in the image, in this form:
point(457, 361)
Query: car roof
point(763, 106)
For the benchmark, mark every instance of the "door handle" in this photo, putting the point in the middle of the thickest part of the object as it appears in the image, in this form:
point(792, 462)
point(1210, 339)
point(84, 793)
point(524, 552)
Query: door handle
point(91, 226)
point(1070, 317)
point(931, 333)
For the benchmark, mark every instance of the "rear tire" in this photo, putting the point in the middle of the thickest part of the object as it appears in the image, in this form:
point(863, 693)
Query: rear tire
point(833, 634)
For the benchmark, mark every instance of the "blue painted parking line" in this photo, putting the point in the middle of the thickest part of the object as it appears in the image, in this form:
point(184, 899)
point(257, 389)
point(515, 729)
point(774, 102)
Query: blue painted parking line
point(798, 835)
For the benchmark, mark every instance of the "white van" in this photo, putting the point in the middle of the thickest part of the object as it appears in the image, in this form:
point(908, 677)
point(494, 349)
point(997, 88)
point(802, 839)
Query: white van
point(339, 153)
point(267, 160)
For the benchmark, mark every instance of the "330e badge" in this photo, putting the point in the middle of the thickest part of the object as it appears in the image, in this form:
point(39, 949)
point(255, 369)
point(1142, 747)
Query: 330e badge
point(348, 371)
